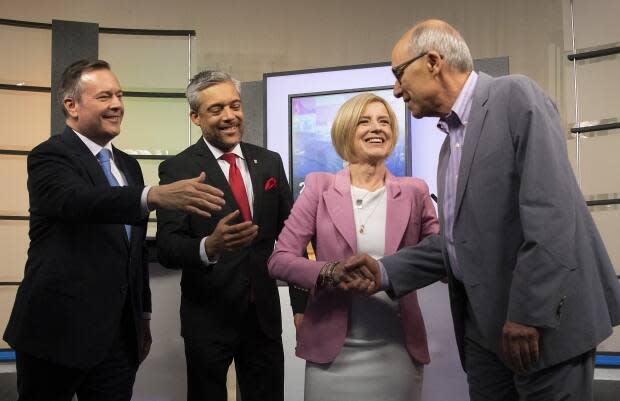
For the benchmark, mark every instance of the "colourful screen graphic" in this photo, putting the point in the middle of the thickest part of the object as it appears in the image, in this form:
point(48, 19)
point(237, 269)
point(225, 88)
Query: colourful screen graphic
point(311, 121)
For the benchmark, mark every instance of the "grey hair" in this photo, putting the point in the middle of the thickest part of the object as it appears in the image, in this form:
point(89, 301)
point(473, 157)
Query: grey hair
point(203, 80)
point(446, 41)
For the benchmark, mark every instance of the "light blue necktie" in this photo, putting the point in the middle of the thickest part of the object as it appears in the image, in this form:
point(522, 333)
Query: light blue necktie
point(104, 157)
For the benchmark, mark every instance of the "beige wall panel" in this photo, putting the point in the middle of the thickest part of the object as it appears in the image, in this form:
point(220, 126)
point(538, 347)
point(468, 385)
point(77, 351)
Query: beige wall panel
point(607, 219)
point(598, 82)
point(25, 119)
point(26, 55)
point(281, 36)
point(13, 178)
point(151, 229)
point(147, 63)
point(149, 171)
point(14, 240)
point(571, 147)
point(154, 126)
point(7, 298)
point(596, 23)
point(600, 164)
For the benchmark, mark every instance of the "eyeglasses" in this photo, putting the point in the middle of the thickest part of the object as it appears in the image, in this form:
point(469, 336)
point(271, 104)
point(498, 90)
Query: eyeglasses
point(399, 70)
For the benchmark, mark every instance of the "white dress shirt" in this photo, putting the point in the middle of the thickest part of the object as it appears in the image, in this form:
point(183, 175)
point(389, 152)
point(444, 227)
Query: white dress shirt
point(247, 181)
point(120, 177)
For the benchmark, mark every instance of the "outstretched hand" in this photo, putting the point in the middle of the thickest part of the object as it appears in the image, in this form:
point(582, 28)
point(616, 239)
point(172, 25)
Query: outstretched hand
point(191, 195)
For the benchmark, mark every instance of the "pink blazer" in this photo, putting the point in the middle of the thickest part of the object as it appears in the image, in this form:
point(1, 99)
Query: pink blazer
point(324, 213)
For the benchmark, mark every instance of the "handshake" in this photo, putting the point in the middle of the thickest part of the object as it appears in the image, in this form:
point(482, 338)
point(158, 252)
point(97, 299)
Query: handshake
point(358, 273)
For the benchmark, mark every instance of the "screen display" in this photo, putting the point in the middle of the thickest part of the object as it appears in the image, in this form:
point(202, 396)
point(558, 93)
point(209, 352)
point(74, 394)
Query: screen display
point(311, 117)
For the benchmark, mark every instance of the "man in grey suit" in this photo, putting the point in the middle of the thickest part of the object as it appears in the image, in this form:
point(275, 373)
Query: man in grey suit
point(532, 289)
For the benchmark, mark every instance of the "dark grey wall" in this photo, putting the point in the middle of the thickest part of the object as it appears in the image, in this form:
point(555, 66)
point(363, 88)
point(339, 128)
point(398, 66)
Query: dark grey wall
point(252, 99)
point(495, 67)
point(71, 41)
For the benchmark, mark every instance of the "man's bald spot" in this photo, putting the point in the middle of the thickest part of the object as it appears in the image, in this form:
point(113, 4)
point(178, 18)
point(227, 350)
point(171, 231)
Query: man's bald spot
point(432, 24)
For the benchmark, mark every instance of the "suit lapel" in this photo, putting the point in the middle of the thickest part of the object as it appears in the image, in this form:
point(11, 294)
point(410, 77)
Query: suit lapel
point(121, 164)
point(397, 214)
point(473, 130)
point(205, 161)
point(88, 160)
point(340, 207)
point(255, 166)
point(93, 168)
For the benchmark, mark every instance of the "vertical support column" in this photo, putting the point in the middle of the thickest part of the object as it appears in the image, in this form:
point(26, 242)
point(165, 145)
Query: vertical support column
point(71, 41)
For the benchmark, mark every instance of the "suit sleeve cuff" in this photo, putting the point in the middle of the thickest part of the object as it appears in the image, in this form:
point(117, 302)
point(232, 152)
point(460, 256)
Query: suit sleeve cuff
point(385, 280)
point(203, 254)
point(144, 205)
point(146, 315)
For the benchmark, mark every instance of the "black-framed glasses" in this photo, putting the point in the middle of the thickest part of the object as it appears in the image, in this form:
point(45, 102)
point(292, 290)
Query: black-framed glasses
point(399, 70)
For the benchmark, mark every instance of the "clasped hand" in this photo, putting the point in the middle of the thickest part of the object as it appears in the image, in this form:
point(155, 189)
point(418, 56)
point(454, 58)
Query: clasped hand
point(359, 273)
point(228, 236)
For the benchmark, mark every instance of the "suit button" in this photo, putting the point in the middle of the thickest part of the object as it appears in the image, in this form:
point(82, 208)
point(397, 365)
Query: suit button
point(559, 309)
point(123, 289)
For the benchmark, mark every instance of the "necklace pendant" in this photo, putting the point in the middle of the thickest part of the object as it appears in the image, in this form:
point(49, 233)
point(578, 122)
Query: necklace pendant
point(362, 229)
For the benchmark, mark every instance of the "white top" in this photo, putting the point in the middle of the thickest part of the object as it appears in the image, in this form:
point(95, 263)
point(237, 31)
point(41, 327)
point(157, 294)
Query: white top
point(371, 214)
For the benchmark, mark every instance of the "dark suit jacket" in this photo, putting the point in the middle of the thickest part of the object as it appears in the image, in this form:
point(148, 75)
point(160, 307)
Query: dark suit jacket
point(215, 298)
point(525, 241)
point(81, 269)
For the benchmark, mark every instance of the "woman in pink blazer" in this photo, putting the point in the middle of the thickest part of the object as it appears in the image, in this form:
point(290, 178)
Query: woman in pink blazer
point(361, 348)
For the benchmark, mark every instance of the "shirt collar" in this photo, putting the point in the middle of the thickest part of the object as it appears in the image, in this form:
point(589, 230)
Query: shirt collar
point(459, 114)
point(217, 153)
point(94, 147)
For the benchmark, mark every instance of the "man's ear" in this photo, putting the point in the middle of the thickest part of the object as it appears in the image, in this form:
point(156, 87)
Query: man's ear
point(434, 62)
point(195, 117)
point(71, 106)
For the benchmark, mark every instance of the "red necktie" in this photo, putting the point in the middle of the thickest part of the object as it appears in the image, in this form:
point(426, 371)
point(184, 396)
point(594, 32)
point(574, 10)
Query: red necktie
point(237, 186)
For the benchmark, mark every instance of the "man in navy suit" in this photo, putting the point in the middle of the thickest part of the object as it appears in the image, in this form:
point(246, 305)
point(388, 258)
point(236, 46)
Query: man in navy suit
point(230, 307)
point(80, 322)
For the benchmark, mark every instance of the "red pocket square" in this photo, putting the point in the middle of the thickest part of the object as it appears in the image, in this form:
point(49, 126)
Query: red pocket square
point(270, 183)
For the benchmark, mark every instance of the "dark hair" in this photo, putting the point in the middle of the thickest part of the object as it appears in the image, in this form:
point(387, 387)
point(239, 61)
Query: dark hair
point(70, 79)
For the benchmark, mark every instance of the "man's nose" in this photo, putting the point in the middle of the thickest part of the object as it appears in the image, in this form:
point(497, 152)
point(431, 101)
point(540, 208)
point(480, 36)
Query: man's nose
point(117, 102)
point(398, 90)
point(228, 114)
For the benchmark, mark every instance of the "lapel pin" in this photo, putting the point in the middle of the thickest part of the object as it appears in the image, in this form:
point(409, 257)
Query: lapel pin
point(255, 161)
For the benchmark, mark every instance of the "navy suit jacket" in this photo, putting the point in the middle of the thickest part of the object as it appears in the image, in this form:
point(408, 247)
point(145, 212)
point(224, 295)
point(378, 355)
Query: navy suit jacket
point(215, 298)
point(81, 270)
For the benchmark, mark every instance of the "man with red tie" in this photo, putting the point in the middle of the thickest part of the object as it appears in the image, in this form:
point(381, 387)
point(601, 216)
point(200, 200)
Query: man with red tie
point(230, 307)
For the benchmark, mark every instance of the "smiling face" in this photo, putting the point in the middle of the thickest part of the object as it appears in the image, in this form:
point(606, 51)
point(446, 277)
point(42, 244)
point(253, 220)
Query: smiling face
point(373, 140)
point(220, 116)
point(98, 112)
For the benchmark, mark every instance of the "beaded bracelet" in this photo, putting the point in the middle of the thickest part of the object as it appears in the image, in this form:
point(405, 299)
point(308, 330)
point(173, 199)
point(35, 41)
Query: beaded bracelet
point(326, 275)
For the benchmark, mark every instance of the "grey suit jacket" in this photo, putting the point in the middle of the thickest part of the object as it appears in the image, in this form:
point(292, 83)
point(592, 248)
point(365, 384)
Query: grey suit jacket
point(525, 241)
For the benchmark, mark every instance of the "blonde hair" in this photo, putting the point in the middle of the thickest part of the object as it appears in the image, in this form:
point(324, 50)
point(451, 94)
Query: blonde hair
point(347, 117)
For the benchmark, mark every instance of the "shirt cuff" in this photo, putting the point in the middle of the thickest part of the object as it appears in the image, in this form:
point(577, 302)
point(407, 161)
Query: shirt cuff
point(385, 280)
point(144, 204)
point(146, 315)
point(203, 254)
